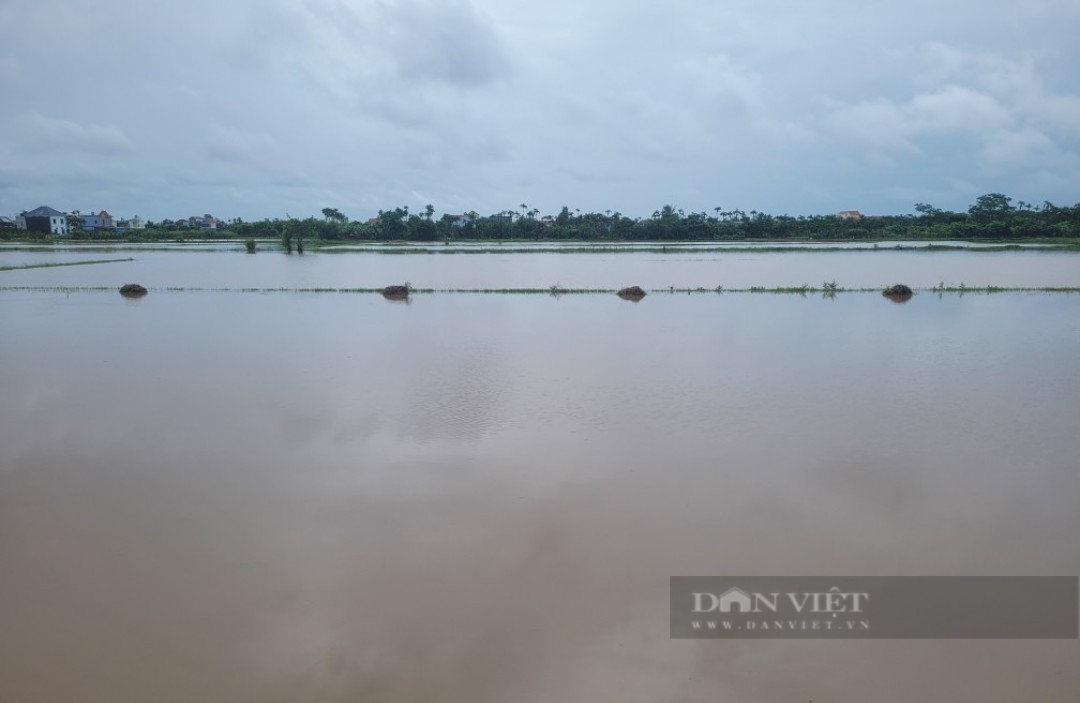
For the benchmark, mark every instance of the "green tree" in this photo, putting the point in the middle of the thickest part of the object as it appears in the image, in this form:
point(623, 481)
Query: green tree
point(332, 214)
point(928, 211)
point(75, 223)
point(992, 206)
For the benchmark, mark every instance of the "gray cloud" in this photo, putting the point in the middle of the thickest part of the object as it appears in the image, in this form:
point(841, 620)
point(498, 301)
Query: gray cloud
point(479, 104)
point(442, 41)
point(236, 146)
point(997, 105)
point(39, 134)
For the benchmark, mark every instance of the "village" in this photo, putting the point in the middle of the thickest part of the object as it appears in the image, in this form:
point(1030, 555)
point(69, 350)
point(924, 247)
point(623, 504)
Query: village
point(47, 220)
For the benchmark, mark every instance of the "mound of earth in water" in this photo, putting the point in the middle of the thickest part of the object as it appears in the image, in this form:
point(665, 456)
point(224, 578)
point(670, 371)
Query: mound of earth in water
point(132, 290)
point(634, 293)
point(898, 293)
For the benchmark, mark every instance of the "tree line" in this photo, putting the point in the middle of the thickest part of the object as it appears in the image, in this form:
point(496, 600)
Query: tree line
point(993, 216)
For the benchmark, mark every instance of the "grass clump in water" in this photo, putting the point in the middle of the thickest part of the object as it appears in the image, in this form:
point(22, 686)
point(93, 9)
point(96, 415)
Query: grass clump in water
point(64, 263)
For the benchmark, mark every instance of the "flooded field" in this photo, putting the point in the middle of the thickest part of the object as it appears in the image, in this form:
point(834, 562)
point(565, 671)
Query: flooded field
point(684, 269)
point(318, 497)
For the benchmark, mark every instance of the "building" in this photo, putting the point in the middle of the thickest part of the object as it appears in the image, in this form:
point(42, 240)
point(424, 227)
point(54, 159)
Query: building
point(849, 215)
point(196, 222)
point(45, 220)
point(134, 223)
point(7, 223)
point(101, 220)
point(462, 220)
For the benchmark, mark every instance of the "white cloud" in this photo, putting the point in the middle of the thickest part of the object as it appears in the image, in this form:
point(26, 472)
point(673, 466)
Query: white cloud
point(955, 109)
point(978, 114)
point(882, 123)
point(1001, 76)
point(1020, 149)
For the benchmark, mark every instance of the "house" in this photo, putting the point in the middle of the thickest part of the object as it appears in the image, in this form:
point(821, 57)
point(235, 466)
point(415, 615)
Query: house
point(462, 220)
point(45, 220)
point(7, 223)
point(101, 220)
point(134, 223)
point(204, 222)
point(849, 215)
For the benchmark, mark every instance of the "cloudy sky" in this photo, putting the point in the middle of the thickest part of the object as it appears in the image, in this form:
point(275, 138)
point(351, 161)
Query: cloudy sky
point(255, 108)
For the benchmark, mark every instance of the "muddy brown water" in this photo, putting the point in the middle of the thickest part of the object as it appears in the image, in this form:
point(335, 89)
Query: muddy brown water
point(305, 497)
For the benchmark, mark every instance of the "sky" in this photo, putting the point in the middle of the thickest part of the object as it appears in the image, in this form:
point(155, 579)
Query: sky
point(268, 108)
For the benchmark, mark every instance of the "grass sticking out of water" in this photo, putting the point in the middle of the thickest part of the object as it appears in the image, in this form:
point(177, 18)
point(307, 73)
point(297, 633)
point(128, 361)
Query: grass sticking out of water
point(829, 290)
point(65, 263)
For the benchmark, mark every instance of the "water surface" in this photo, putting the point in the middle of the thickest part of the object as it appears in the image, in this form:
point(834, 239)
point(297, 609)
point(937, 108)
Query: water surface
point(684, 269)
point(287, 497)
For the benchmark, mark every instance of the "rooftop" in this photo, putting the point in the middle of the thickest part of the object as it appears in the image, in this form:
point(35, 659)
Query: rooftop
point(44, 211)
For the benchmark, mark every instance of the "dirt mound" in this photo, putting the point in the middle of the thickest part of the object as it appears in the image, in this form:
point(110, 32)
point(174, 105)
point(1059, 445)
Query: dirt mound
point(634, 293)
point(396, 292)
point(898, 293)
point(132, 290)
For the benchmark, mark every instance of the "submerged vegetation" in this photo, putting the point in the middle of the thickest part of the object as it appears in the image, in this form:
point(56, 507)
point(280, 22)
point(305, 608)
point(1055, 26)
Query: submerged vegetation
point(829, 289)
point(62, 263)
point(993, 217)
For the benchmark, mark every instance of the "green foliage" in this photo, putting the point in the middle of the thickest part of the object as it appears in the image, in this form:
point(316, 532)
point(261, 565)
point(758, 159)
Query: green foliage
point(991, 207)
point(75, 224)
point(332, 214)
point(286, 236)
point(993, 216)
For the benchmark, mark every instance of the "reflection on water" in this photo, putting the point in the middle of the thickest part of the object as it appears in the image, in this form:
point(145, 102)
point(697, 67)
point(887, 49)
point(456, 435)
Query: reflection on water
point(481, 498)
